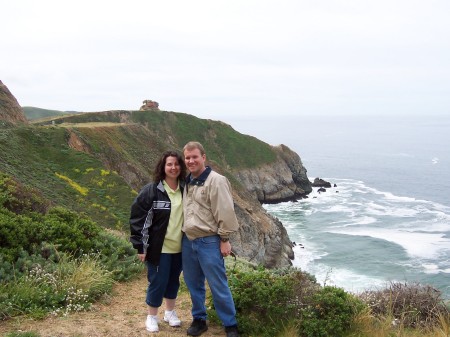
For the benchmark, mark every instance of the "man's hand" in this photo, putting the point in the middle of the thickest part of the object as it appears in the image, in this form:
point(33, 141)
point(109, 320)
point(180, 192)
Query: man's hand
point(225, 248)
point(141, 257)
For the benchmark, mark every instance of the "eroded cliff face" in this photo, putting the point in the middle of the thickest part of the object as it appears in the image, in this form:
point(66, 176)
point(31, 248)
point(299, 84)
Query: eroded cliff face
point(283, 180)
point(262, 238)
point(10, 110)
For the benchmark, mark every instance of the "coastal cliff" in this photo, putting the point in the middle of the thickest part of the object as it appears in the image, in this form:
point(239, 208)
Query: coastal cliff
point(10, 110)
point(283, 180)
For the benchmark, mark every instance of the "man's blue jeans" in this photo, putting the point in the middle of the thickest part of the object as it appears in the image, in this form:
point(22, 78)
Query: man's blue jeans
point(202, 259)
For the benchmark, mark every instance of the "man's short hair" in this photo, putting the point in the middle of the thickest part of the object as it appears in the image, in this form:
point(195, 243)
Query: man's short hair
point(194, 145)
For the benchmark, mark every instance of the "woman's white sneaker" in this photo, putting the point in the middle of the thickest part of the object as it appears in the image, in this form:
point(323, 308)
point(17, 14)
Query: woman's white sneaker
point(172, 318)
point(152, 323)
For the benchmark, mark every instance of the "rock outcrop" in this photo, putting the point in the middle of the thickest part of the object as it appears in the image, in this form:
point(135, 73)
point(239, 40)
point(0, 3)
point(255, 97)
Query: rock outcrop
point(262, 238)
point(319, 182)
point(10, 110)
point(149, 105)
point(283, 180)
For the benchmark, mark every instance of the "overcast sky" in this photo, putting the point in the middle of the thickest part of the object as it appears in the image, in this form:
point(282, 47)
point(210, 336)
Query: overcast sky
point(228, 59)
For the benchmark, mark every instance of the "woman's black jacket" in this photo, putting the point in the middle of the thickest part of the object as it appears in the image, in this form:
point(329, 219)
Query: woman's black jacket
point(149, 219)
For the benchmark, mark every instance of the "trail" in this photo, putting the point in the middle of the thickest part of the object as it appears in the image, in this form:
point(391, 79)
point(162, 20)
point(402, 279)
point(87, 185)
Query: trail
point(122, 314)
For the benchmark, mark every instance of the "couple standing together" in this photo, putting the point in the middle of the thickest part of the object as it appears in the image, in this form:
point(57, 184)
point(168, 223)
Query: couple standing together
point(194, 216)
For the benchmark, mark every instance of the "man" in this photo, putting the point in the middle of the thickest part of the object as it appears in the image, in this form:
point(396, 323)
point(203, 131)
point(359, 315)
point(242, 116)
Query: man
point(209, 219)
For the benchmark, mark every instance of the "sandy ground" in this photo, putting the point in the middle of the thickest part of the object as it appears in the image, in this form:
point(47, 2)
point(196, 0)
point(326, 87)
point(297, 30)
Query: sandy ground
point(121, 315)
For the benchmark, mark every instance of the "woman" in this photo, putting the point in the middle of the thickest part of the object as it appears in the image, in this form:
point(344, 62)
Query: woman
point(155, 224)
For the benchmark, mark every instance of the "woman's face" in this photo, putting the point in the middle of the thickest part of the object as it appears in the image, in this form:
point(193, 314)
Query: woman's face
point(172, 168)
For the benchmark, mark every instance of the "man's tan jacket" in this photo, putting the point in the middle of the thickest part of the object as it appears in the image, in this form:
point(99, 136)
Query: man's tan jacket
point(208, 206)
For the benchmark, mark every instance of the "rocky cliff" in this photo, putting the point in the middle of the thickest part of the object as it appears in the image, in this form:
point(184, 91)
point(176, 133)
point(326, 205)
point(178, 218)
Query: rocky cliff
point(262, 238)
point(10, 110)
point(283, 180)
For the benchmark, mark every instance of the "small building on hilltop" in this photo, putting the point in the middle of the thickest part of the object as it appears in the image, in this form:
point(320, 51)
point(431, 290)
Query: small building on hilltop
point(149, 105)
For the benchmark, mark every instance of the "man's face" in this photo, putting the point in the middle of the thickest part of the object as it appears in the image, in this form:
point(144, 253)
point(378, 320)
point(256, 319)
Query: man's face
point(195, 162)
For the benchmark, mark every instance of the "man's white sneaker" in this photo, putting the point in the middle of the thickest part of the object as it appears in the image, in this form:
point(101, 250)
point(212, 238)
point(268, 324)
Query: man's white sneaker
point(152, 323)
point(172, 318)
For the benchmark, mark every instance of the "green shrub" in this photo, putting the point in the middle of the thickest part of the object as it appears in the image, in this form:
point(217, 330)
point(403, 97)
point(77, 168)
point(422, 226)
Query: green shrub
point(71, 232)
point(266, 300)
point(117, 255)
point(330, 313)
point(56, 261)
point(65, 229)
point(67, 286)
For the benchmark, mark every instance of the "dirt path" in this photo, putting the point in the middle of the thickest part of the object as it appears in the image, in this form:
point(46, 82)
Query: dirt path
point(121, 315)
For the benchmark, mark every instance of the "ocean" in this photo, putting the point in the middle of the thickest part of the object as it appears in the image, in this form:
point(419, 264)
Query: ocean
point(388, 218)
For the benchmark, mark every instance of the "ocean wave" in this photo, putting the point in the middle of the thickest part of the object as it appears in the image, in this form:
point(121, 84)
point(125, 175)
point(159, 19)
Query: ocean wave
point(344, 278)
point(422, 245)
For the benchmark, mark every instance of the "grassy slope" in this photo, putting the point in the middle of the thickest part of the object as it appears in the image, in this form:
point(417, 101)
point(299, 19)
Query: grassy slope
point(39, 156)
point(223, 144)
point(32, 112)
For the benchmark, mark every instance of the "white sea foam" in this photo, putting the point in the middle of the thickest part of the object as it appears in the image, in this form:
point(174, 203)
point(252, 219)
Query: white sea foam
point(305, 254)
point(339, 209)
point(431, 268)
point(356, 221)
point(344, 278)
point(391, 197)
point(392, 210)
point(423, 245)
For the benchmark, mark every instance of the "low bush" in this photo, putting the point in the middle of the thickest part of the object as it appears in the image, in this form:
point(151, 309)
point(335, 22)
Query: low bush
point(272, 301)
point(330, 312)
point(266, 300)
point(31, 239)
point(70, 285)
point(412, 305)
point(54, 260)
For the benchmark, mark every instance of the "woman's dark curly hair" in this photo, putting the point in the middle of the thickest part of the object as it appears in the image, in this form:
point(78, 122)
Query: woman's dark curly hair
point(160, 174)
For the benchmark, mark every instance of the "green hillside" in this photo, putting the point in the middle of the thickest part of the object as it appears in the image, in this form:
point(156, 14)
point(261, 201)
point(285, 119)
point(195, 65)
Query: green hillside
point(32, 112)
point(223, 144)
point(118, 160)
point(40, 157)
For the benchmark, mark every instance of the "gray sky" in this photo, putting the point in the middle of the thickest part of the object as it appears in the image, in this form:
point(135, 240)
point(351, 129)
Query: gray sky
point(228, 59)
